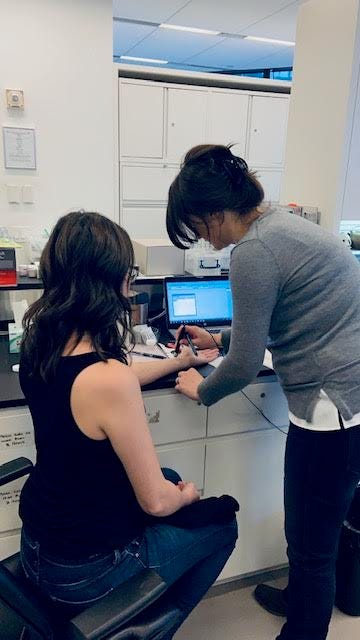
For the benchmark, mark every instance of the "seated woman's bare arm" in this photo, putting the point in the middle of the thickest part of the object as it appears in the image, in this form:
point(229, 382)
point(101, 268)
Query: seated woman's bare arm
point(106, 403)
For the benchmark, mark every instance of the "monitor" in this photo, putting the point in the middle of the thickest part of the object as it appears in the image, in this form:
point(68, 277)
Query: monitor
point(202, 301)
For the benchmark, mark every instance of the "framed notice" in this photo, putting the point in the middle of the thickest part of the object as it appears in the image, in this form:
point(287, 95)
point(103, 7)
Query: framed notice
point(19, 148)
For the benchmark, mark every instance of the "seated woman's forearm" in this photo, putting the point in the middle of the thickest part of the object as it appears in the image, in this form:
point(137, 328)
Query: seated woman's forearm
point(148, 372)
point(168, 500)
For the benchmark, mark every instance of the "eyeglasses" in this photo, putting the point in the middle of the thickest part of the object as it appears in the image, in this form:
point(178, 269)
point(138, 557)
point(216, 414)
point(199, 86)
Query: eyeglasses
point(133, 273)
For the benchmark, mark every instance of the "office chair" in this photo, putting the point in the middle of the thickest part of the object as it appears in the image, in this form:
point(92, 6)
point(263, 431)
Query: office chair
point(138, 609)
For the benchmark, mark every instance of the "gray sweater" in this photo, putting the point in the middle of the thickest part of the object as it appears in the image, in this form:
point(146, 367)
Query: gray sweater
point(296, 290)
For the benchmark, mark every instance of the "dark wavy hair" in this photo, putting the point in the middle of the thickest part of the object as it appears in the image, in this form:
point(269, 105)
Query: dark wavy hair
point(83, 266)
point(211, 180)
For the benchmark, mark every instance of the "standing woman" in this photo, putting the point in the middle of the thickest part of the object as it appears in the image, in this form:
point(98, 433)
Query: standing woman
point(296, 290)
point(96, 508)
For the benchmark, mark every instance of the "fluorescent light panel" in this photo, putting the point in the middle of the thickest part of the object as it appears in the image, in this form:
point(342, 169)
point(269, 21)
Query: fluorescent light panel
point(177, 27)
point(288, 43)
point(135, 59)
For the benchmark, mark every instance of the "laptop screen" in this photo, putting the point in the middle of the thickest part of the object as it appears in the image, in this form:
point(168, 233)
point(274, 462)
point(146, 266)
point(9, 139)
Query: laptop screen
point(204, 301)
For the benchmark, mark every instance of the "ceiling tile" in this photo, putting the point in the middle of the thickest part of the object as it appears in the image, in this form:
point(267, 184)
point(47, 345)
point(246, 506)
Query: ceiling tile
point(128, 35)
point(149, 10)
point(283, 58)
point(175, 46)
point(281, 25)
point(232, 53)
point(228, 15)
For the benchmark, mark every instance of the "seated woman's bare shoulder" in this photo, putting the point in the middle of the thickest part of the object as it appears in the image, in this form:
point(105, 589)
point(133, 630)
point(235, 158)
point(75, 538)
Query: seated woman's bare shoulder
point(100, 390)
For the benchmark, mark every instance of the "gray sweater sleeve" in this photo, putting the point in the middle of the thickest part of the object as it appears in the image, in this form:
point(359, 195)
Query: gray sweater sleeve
point(255, 285)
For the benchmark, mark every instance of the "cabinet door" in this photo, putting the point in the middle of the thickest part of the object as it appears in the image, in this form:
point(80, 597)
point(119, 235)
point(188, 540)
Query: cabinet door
point(141, 117)
point(227, 120)
point(173, 418)
point(142, 222)
point(250, 468)
point(186, 121)
point(140, 183)
point(268, 126)
point(271, 182)
point(187, 459)
point(9, 545)
point(16, 440)
point(238, 413)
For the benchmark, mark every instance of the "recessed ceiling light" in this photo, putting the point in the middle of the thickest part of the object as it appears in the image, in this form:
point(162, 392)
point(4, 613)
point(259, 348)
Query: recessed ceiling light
point(177, 27)
point(135, 59)
point(288, 43)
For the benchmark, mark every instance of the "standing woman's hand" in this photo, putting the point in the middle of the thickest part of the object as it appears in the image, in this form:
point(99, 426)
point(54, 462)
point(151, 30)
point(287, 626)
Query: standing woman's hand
point(187, 382)
point(201, 338)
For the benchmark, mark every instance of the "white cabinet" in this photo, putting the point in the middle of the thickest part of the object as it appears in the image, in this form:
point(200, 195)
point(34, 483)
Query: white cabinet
point(144, 222)
point(148, 183)
point(141, 115)
point(238, 413)
point(250, 467)
point(267, 132)
point(160, 121)
point(227, 120)
point(271, 183)
point(186, 121)
point(187, 459)
point(173, 418)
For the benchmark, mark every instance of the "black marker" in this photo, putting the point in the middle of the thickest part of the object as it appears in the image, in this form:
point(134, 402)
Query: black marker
point(148, 355)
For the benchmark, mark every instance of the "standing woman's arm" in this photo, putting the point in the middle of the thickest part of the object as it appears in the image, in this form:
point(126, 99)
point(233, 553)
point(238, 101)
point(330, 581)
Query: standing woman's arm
point(255, 285)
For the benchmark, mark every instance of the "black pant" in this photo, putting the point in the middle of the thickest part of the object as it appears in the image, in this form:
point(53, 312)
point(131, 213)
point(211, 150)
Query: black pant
point(322, 470)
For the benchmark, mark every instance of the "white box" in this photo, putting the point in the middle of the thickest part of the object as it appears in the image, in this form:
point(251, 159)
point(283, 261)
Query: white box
point(158, 257)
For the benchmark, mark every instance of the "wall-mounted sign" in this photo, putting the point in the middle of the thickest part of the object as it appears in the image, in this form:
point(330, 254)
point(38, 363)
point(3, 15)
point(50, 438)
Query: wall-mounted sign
point(19, 148)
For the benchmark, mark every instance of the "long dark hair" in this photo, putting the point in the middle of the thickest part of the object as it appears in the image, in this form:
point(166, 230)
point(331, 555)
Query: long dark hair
point(211, 180)
point(83, 266)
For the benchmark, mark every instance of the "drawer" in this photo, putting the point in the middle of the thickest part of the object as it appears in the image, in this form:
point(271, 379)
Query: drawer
point(142, 222)
point(16, 435)
point(146, 183)
point(187, 459)
point(16, 440)
point(174, 418)
point(237, 414)
point(9, 505)
point(9, 545)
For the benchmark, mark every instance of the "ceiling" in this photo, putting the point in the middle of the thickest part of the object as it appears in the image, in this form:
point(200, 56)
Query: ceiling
point(137, 33)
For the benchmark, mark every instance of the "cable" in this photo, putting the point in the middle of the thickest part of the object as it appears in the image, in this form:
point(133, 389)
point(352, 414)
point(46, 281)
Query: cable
point(213, 339)
point(263, 414)
point(159, 315)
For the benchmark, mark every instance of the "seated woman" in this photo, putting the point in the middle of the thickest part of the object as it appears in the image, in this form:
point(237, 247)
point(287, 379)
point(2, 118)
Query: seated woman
point(85, 506)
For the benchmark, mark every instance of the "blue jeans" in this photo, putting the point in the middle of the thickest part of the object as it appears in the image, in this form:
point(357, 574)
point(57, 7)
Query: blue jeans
point(189, 560)
point(322, 470)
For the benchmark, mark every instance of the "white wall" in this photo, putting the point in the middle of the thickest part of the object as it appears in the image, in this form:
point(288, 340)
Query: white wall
point(60, 53)
point(319, 106)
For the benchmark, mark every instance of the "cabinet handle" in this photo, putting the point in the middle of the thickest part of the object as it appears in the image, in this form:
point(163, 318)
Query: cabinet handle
point(173, 124)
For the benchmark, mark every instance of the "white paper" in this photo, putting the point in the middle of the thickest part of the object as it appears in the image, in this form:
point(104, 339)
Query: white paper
point(267, 362)
point(19, 148)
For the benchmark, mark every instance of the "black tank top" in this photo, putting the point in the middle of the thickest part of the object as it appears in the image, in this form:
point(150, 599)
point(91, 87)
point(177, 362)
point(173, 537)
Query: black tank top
point(78, 500)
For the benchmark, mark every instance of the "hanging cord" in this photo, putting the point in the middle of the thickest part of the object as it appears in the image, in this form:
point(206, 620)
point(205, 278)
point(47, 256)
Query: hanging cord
point(263, 414)
point(159, 315)
point(213, 339)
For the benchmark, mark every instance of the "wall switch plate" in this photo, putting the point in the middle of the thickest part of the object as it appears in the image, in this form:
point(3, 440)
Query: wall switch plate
point(27, 194)
point(13, 193)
